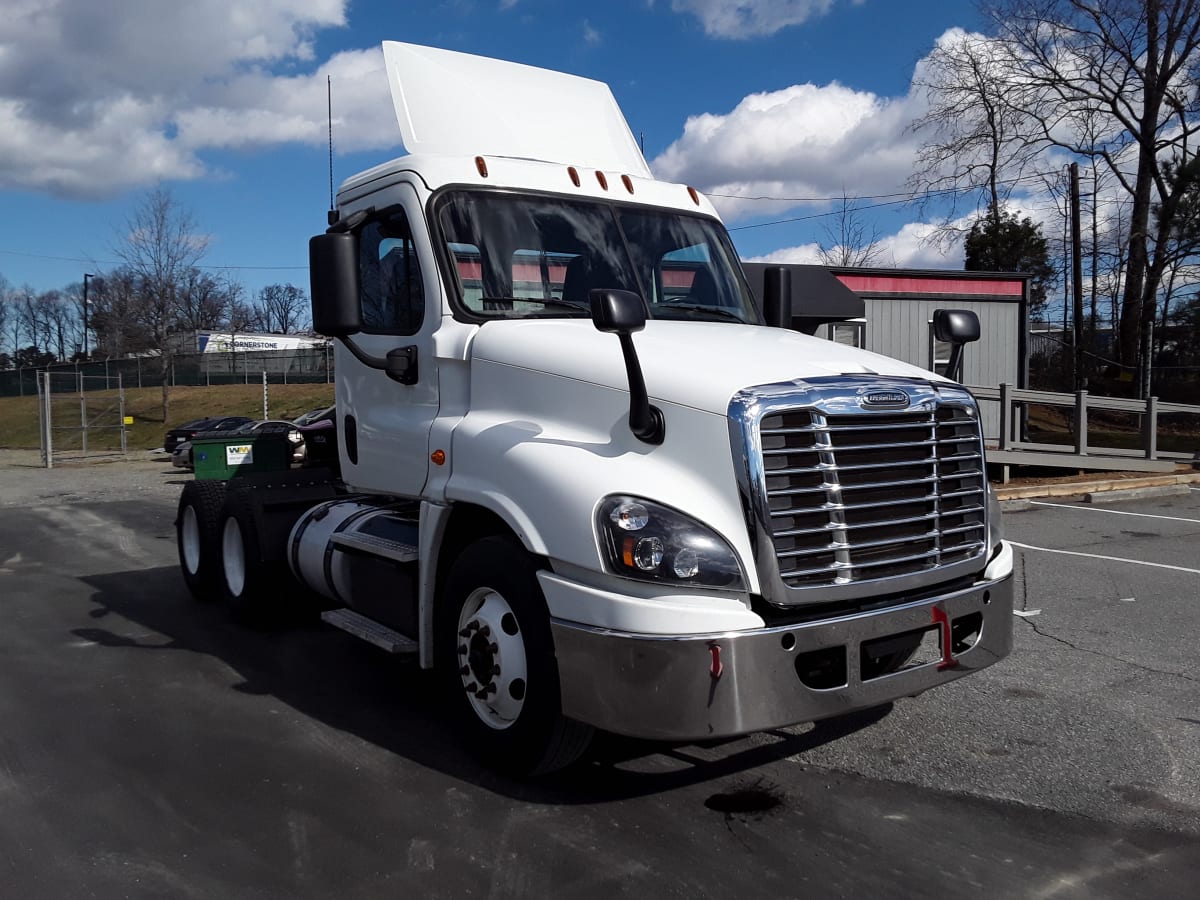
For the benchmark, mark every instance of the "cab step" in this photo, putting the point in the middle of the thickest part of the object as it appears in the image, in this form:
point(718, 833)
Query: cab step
point(369, 630)
point(373, 545)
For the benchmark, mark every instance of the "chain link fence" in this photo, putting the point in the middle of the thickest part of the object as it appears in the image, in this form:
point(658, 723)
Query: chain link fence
point(307, 365)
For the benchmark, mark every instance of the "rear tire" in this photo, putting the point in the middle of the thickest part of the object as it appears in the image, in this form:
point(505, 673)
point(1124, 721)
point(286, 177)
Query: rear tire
point(197, 537)
point(254, 590)
point(495, 655)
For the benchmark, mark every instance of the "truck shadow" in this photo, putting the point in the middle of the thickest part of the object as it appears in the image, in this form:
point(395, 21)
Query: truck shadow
point(390, 702)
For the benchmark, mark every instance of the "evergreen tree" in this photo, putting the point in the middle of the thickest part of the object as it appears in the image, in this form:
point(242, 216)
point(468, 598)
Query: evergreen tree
point(1005, 243)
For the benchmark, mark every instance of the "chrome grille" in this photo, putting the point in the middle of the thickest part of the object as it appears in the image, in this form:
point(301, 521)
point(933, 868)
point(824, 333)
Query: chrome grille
point(855, 495)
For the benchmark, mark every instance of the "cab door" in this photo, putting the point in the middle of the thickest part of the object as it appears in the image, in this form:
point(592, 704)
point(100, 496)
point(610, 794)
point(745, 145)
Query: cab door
point(384, 425)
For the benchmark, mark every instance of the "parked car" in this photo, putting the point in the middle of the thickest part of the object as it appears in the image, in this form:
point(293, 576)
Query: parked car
point(183, 458)
point(189, 430)
point(312, 415)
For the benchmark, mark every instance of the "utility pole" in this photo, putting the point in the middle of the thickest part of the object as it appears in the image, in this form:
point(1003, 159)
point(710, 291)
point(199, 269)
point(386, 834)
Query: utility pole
point(86, 276)
point(1077, 279)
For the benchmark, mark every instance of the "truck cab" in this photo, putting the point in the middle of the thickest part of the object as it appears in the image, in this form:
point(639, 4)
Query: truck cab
point(584, 477)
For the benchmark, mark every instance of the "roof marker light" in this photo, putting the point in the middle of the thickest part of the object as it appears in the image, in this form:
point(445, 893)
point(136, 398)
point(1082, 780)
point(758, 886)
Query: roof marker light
point(628, 182)
point(481, 165)
point(694, 195)
point(573, 172)
point(603, 181)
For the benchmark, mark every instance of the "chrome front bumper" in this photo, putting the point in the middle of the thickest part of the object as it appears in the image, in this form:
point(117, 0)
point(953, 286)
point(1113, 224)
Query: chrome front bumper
point(652, 686)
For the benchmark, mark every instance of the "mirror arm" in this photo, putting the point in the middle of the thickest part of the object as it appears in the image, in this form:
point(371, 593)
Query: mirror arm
point(645, 421)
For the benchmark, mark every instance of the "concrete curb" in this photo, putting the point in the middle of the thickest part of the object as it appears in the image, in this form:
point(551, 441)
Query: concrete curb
point(1122, 489)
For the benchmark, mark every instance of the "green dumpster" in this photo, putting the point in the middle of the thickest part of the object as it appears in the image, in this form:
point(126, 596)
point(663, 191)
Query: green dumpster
point(220, 455)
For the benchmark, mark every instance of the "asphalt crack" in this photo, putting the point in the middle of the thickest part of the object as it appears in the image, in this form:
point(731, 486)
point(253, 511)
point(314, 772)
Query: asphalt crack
point(1109, 656)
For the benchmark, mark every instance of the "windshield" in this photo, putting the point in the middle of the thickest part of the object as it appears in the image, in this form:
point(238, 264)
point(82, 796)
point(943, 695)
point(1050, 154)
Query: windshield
point(516, 256)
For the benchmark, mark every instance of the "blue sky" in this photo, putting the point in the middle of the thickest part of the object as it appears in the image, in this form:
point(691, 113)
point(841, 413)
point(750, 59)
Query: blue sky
point(223, 102)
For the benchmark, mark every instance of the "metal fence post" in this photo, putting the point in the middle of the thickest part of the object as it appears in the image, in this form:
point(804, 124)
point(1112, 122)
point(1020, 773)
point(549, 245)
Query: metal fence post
point(1081, 422)
point(49, 426)
point(1005, 416)
point(121, 401)
point(265, 407)
point(1150, 428)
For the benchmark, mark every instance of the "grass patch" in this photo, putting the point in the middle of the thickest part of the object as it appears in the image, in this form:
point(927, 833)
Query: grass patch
point(19, 415)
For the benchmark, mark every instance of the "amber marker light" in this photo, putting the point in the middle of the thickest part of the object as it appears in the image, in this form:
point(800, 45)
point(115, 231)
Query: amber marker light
point(571, 170)
point(603, 181)
point(694, 194)
point(481, 165)
point(628, 182)
point(438, 457)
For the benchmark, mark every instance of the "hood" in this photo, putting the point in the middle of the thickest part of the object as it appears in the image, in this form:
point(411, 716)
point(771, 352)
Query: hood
point(697, 364)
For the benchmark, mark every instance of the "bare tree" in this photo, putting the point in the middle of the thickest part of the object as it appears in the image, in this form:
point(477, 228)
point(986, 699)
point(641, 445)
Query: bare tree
point(4, 310)
point(282, 308)
point(160, 245)
point(848, 241)
point(115, 315)
point(977, 139)
point(202, 300)
point(1133, 65)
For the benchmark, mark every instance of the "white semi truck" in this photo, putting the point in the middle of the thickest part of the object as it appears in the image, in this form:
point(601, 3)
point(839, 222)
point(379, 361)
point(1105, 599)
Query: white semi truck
point(581, 474)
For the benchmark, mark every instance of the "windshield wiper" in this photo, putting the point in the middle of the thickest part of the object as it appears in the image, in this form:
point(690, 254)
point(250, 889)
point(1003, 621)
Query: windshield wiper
point(718, 311)
point(544, 301)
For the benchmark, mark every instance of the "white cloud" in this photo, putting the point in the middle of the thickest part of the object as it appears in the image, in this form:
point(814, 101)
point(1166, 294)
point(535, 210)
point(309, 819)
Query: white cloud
point(590, 34)
point(750, 18)
point(96, 98)
point(908, 248)
point(804, 141)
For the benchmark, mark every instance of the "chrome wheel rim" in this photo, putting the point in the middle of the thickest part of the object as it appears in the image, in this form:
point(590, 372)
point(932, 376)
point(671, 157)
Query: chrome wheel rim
point(189, 540)
point(233, 557)
point(491, 658)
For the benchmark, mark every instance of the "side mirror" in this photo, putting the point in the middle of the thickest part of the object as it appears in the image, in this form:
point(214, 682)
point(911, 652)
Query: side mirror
point(333, 273)
point(955, 326)
point(616, 311)
point(777, 297)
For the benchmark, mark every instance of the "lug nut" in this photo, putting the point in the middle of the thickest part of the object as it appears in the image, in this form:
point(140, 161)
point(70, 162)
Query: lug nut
point(495, 670)
point(485, 630)
point(465, 670)
point(472, 687)
point(462, 649)
point(493, 648)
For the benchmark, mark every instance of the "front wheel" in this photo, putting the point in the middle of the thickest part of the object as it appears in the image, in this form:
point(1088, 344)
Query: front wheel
point(496, 656)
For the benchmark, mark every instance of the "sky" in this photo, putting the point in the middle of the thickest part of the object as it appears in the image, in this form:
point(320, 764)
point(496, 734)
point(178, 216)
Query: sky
point(223, 102)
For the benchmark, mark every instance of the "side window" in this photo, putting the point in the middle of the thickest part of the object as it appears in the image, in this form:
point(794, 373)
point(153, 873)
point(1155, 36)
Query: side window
point(848, 334)
point(391, 293)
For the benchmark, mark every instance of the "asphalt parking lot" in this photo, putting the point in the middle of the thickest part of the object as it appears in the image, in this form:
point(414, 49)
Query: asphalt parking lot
point(153, 748)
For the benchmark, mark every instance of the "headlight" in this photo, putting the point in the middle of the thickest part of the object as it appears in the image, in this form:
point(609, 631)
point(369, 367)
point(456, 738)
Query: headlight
point(644, 540)
point(995, 527)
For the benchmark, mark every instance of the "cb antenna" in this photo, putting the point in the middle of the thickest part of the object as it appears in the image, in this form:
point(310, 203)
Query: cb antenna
point(332, 215)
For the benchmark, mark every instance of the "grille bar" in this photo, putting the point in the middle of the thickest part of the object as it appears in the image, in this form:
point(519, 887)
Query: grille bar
point(835, 521)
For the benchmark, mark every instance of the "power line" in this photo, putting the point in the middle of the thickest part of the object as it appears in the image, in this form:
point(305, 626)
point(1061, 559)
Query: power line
point(906, 195)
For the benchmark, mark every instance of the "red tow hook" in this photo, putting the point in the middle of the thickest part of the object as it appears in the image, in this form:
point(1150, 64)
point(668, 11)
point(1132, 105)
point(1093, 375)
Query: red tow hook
point(943, 622)
point(715, 669)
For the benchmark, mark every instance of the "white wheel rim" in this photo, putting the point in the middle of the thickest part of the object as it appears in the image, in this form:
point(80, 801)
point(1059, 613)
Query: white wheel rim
point(233, 557)
point(491, 658)
point(189, 540)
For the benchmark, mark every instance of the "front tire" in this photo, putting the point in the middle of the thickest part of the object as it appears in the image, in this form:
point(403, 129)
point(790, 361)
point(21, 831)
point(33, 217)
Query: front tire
point(496, 657)
point(197, 537)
